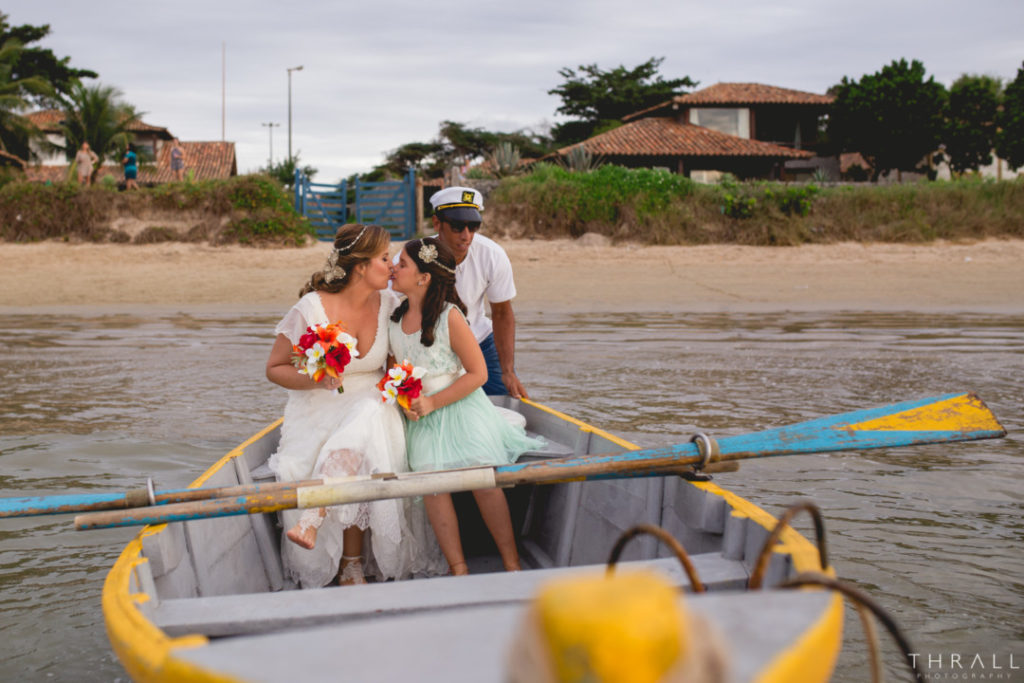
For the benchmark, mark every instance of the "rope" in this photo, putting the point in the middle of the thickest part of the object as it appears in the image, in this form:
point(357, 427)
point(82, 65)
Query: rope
point(757, 576)
point(664, 537)
point(860, 598)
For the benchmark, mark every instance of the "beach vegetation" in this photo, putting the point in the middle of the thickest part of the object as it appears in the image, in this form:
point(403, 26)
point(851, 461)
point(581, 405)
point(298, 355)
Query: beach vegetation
point(658, 207)
point(505, 160)
point(252, 210)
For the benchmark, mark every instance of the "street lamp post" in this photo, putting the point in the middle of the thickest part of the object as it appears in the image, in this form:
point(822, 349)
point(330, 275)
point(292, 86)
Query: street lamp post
point(290, 70)
point(270, 127)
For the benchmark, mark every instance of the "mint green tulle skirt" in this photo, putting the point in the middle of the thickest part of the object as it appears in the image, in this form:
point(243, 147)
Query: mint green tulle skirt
point(467, 433)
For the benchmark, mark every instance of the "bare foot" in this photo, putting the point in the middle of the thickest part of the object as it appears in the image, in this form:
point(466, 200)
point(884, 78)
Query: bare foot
point(303, 536)
point(459, 569)
point(513, 566)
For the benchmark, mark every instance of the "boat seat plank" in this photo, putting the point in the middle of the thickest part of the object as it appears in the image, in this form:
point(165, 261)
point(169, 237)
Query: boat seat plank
point(262, 612)
point(471, 643)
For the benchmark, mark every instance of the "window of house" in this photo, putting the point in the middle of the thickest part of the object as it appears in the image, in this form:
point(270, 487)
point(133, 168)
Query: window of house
point(731, 121)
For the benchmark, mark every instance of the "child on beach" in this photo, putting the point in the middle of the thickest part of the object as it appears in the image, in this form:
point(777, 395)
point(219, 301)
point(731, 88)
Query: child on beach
point(452, 424)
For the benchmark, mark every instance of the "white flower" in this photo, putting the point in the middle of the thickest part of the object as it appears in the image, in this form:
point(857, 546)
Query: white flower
point(390, 393)
point(314, 353)
point(418, 372)
point(397, 374)
point(349, 341)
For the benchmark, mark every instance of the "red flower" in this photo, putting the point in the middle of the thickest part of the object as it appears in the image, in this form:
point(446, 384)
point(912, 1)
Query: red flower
point(338, 357)
point(307, 340)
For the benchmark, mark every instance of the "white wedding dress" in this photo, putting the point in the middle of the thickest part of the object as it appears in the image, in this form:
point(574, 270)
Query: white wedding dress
point(353, 433)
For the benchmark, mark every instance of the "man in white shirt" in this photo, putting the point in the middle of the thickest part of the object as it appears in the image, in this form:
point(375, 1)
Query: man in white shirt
point(483, 274)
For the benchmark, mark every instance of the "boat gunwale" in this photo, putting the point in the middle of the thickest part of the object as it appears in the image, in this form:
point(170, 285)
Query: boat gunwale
point(148, 653)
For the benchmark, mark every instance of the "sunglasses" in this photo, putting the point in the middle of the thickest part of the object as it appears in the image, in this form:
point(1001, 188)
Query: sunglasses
point(458, 226)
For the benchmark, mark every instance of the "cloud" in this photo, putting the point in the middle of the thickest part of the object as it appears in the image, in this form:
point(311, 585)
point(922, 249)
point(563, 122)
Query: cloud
point(378, 75)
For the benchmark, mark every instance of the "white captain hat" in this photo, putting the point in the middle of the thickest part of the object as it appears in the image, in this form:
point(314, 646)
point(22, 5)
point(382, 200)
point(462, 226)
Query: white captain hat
point(462, 204)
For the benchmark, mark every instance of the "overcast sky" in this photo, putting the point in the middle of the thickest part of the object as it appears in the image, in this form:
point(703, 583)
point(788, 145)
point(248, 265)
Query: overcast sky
point(381, 73)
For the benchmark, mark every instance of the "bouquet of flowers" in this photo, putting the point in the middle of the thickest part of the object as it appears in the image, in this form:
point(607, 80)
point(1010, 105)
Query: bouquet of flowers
point(324, 350)
point(401, 384)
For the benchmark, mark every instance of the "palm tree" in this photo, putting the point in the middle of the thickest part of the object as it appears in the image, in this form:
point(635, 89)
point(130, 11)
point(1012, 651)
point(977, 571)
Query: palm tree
point(15, 129)
point(96, 114)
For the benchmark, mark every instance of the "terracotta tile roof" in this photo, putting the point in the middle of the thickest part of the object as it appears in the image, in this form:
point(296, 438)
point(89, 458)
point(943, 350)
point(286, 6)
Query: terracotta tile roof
point(751, 93)
point(48, 121)
point(208, 161)
point(657, 136)
point(733, 94)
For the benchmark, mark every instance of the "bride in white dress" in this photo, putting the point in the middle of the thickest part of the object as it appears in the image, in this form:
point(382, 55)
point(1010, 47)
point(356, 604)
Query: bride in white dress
point(353, 433)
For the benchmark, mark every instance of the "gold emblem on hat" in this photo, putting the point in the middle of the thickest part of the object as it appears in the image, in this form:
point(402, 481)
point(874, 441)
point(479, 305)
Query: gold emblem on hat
point(467, 198)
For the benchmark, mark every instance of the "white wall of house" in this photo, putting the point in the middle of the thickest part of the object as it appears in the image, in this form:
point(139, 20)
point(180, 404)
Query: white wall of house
point(998, 169)
point(46, 156)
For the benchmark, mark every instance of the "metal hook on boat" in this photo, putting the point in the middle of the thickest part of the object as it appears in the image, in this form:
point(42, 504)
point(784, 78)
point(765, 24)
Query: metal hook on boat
point(666, 538)
point(757, 576)
point(151, 490)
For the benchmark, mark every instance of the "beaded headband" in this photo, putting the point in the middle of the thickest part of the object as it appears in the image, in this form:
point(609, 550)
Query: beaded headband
point(353, 242)
point(428, 254)
point(332, 271)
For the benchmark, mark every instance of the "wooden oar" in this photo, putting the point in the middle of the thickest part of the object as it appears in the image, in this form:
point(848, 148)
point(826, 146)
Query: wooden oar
point(28, 506)
point(945, 419)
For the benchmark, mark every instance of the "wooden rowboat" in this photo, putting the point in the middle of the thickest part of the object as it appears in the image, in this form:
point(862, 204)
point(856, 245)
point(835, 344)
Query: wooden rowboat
point(206, 599)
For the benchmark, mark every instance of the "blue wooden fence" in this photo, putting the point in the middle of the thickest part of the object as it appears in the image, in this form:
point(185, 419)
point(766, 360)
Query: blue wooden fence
point(390, 204)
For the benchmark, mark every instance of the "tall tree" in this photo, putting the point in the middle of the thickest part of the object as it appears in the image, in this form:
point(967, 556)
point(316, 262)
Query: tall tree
point(894, 118)
point(96, 114)
point(37, 62)
point(15, 93)
point(1010, 138)
point(597, 99)
point(971, 129)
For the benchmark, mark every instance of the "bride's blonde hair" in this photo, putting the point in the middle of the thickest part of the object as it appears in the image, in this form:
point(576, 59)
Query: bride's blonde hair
point(354, 243)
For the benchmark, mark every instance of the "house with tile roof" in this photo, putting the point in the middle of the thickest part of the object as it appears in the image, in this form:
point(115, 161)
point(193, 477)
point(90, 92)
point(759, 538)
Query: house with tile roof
point(206, 160)
point(748, 129)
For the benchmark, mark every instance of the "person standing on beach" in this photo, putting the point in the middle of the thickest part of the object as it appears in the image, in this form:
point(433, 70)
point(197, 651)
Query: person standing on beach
point(85, 160)
point(483, 274)
point(131, 168)
point(177, 160)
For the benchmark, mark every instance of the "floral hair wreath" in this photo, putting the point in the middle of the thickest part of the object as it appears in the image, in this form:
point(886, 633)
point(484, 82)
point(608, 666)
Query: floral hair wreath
point(333, 271)
point(428, 254)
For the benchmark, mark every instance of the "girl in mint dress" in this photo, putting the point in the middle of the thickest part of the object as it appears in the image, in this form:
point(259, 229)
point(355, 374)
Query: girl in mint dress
point(452, 424)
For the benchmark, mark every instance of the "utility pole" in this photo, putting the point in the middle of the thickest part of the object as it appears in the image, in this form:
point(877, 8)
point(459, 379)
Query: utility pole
point(290, 70)
point(270, 127)
point(223, 86)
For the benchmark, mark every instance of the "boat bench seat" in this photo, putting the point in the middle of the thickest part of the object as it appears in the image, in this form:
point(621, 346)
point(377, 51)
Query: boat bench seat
point(266, 612)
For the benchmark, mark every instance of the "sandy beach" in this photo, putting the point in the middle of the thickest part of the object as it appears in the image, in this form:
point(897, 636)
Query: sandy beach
point(560, 275)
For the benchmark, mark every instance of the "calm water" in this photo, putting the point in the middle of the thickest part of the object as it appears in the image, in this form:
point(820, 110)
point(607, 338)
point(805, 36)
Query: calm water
point(935, 533)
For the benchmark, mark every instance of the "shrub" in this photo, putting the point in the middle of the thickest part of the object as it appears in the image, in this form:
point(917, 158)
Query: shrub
point(658, 207)
point(254, 209)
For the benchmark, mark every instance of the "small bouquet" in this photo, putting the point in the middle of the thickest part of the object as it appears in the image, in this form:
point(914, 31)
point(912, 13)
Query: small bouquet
point(324, 350)
point(401, 384)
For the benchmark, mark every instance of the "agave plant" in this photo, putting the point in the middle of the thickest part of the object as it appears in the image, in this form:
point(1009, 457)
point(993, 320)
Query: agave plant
point(580, 159)
point(505, 159)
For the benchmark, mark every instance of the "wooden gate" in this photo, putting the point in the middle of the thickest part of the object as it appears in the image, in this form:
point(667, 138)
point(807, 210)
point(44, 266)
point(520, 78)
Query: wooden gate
point(390, 204)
